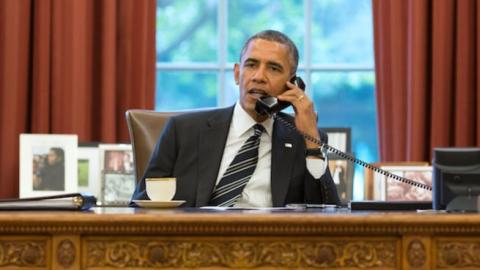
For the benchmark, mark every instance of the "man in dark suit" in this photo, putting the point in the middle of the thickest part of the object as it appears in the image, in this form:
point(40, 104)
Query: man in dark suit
point(200, 149)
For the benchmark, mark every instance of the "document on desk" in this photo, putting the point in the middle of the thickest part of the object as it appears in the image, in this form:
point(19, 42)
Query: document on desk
point(269, 209)
point(288, 207)
point(69, 201)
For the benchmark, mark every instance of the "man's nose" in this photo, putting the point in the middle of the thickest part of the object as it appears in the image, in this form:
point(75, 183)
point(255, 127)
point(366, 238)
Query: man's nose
point(259, 75)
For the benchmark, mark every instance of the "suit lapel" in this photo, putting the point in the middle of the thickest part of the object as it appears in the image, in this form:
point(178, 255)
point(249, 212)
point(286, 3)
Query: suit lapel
point(283, 154)
point(211, 144)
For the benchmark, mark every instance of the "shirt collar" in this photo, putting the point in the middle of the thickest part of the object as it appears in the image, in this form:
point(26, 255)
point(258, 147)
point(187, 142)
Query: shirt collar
point(242, 121)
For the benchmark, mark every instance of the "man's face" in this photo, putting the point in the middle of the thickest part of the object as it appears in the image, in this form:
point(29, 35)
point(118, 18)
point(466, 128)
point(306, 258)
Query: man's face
point(264, 69)
point(52, 157)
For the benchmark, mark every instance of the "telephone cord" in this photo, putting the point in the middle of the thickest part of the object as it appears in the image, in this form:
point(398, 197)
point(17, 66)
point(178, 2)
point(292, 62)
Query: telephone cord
point(325, 148)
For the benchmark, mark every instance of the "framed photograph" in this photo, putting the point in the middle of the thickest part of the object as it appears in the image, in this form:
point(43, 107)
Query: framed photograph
point(118, 181)
point(389, 189)
point(48, 164)
point(339, 138)
point(89, 169)
point(342, 175)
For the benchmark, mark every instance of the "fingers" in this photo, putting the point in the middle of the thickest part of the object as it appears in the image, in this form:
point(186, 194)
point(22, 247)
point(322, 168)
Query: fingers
point(295, 95)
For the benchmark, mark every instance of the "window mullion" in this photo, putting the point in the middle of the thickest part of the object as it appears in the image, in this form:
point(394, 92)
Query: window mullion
point(222, 52)
point(308, 45)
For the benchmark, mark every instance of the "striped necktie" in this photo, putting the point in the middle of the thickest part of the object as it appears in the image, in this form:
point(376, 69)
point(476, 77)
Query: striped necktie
point(235, 178)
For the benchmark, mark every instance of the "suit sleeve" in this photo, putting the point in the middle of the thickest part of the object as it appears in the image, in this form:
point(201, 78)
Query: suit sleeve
point(161, 162)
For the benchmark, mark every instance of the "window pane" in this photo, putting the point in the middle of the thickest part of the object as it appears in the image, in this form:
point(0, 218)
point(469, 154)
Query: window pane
point(185, 90)
point(231, 89)
point(347, 99)
point(246, 18)
point(187, 31)
point(342, 32)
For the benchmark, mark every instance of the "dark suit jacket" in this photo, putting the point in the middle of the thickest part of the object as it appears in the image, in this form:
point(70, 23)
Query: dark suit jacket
point(191, 149)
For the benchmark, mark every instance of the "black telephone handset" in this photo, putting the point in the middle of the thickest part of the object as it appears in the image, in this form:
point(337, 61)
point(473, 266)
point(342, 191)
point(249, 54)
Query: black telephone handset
point(268, 105)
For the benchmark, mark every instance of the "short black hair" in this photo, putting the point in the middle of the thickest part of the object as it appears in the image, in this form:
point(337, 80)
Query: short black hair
point(276, 36)
point(59, 152)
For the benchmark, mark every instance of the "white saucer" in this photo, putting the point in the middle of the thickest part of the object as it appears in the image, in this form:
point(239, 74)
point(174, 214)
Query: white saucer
point(158, 204)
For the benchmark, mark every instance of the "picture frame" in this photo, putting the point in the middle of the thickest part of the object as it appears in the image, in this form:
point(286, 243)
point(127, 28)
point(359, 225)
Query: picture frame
point(117, 174)
point(339, 138)
point(388, 189)
point(89, 169)
point(342, 171)
point(48, 164)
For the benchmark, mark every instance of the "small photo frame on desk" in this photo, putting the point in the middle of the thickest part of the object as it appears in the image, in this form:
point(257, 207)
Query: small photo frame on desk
point(339, 138)
point(388, 189)
point(48, 164)
point(342, 175)
point(117, 173)
point(89, 169)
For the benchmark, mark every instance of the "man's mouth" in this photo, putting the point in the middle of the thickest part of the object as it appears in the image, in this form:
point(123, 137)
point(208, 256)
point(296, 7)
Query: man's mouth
point(257, 93)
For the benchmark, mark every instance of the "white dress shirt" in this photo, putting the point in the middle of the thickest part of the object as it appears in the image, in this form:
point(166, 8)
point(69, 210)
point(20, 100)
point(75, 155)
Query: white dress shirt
point(258, 191)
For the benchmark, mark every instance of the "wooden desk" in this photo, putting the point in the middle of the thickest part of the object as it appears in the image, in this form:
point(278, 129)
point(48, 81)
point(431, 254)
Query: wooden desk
point(112, 238)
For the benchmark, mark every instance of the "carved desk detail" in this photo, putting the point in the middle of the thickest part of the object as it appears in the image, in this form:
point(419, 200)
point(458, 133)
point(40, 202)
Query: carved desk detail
point(23, 253)
point(416, 254)
point(458, 253)
point(66, 253)
point(241, 253)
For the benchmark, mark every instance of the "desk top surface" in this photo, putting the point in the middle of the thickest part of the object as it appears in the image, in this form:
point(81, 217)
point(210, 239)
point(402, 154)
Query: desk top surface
point(117, 214)
point(201, 221)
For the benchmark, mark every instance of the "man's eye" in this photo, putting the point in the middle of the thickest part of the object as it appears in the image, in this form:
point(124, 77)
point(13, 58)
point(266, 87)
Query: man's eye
point(276, 69)
point(249, 64)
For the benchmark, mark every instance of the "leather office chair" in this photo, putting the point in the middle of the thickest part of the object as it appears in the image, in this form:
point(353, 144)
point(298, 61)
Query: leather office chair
point(145, 127)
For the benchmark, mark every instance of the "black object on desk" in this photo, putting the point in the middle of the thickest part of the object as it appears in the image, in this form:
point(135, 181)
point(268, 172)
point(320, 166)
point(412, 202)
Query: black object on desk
point(390, 205)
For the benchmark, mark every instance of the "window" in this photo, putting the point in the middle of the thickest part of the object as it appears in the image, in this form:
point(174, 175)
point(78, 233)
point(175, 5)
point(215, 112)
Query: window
point(198, 41)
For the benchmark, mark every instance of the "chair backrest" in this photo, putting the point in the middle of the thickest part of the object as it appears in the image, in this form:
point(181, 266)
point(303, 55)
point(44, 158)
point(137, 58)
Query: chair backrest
point(145, 128)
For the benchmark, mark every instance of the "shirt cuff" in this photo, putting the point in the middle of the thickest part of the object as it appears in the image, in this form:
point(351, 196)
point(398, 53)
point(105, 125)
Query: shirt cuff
point(316, 167)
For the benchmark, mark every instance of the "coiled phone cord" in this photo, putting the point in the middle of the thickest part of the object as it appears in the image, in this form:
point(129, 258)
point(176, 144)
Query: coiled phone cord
point(325, 148)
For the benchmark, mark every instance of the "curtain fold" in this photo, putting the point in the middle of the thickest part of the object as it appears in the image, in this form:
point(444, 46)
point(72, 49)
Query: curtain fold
point(426, 57)
point(72, 67)
point(15, 23)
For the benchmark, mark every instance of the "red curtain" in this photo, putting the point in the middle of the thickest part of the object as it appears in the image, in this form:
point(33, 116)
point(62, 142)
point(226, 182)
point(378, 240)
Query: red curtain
point(72, 67)
point(427, 64)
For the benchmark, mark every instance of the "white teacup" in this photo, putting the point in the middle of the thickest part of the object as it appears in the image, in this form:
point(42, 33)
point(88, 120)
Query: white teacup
point(160, 189)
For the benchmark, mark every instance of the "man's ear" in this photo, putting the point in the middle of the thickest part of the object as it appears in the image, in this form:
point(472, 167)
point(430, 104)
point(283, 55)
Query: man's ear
point(236, 72)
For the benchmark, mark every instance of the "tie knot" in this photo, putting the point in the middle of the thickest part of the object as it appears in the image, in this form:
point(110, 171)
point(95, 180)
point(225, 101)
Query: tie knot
point(258, 130)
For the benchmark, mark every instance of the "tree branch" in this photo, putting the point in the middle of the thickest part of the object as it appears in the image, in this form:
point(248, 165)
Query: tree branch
point(199, 21)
